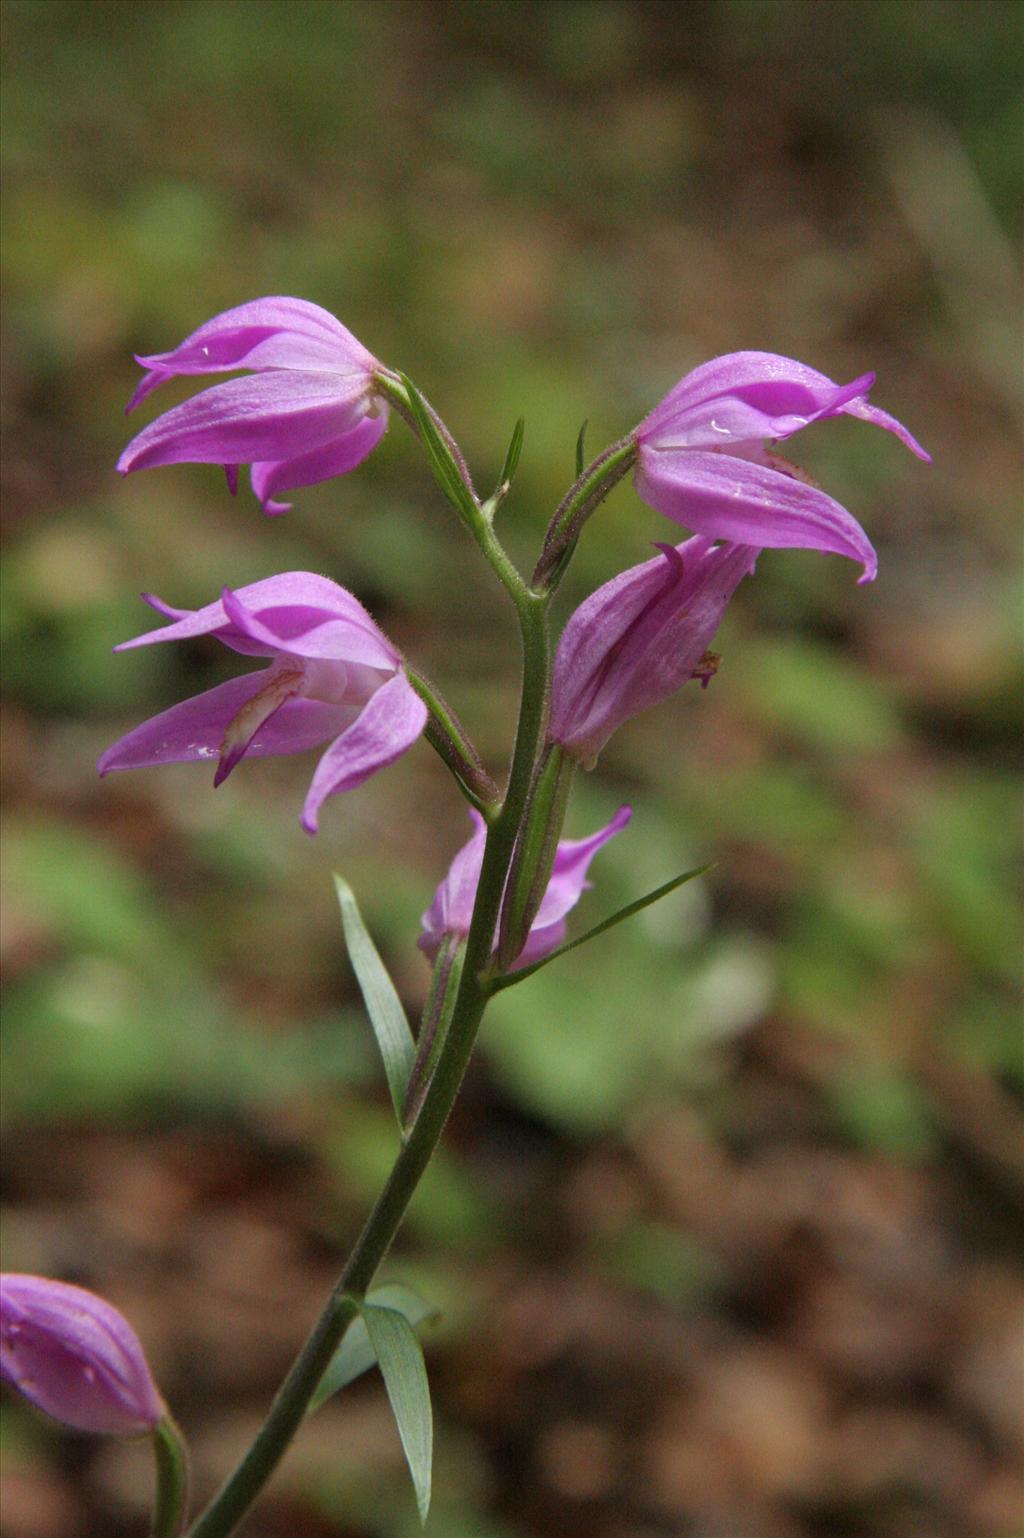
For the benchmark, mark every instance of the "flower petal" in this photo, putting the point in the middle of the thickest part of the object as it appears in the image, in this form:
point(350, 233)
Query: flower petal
point(569, 873)
point(322, 464)
point(879, 418)
point(194, 728)
point(451, 912)
point(265, 333)
point(540, 942)
point(594, 635)
point(168, 610)
point(729, 498)
point(639, 638)
point(346, 635)
point(297, 611)
point(745, 396)
point(279, 415)
point(387, 726)
point(282, 684)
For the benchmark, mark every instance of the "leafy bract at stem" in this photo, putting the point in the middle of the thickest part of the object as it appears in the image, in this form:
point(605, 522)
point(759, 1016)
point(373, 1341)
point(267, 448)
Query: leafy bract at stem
point(508, 470)
point(355, 1355)
point(586, 494)
point(449, 466)
point(450, 740)
point(437, 1013)
point(384, 1007)
point(449, 474)
point(400, 1358)
point(599, 929)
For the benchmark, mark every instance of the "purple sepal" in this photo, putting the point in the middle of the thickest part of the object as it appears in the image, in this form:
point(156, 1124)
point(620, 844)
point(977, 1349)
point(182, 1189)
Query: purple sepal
point(337, 458)
point(638, 639)
point(451, 911)
point(390, 722)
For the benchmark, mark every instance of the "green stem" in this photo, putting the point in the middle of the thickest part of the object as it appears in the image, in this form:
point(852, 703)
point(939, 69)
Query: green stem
point(171, 1479)
point(437, 1012)
point(475, 987)
point(534, 856)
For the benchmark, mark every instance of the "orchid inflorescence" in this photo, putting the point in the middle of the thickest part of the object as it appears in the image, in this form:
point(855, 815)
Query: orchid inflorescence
point(313, 404)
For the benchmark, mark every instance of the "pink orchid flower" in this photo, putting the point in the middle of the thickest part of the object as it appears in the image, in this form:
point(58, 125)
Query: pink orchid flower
point(308, 411)
point(451, 912)
point(702, 458)
point(333, 677)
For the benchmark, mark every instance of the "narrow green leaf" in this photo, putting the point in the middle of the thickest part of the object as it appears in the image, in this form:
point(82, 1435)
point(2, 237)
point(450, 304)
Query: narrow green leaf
point(580, 449)
point(446, 471)
point(355, 1355)
point(624, 913)
point(400, 1356)
point(383, 1005)
point(515, 448)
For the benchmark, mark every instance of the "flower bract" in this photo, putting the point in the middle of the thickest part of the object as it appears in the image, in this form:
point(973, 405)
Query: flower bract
point(703, 459)
point(333, 677)
point(451, 912)
point(75, 1357)
point(307, 411)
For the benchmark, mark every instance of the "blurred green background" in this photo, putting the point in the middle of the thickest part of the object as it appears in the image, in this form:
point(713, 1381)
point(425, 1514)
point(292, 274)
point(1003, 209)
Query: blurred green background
point(726, 1228)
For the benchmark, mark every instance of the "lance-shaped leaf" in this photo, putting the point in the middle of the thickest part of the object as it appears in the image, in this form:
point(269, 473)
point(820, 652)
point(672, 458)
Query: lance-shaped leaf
point(515, 448)
point(599, 929)
point(355, 1355)
point(383, 1005)
point(400, 1357)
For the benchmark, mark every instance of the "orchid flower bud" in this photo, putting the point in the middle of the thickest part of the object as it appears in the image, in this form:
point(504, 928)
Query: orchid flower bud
point(75, 1357)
